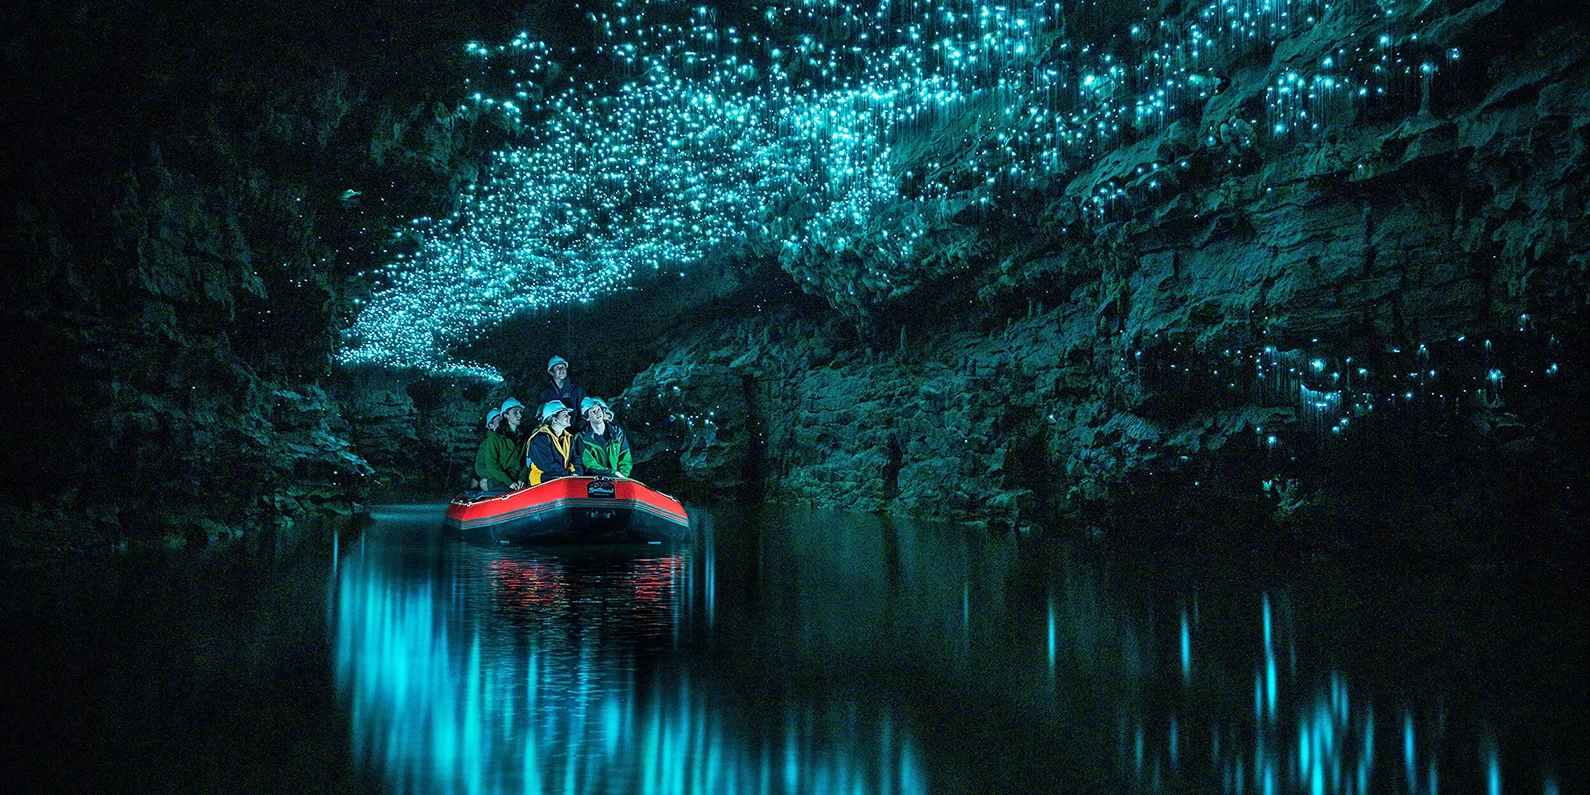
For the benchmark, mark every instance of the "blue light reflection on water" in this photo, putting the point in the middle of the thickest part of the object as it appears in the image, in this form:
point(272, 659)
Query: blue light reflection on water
point(1324, 739)
point(1186, 647)
point(506, 671)
point(1050, 627)
point(468, 669)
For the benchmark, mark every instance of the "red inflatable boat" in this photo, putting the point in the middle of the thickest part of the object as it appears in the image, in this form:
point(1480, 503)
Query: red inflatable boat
point(570, 510)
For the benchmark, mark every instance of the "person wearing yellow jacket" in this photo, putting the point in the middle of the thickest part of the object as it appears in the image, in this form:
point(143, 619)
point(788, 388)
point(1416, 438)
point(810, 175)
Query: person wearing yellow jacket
point(549, 451)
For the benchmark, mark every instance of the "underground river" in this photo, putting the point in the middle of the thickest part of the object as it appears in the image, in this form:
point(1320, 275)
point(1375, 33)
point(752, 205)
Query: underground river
point(786, 651)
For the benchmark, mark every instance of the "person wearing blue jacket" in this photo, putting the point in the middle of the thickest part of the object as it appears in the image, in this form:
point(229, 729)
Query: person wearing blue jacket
point(601, 448)
point(562, 389)
point(549, 453)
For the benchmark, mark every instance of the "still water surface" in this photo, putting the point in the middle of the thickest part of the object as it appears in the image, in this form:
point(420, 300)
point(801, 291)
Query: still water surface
point(789, 652)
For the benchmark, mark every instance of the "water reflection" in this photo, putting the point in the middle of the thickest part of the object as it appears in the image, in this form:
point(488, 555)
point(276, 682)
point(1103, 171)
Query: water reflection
point(810, 652)
point(483, 670)
point(1307, 731)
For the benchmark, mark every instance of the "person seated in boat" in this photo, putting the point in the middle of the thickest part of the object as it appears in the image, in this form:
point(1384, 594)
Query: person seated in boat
point(601, 448)
point(562, 389)
point(549, 452)
point(498, 463)
point(493, 420)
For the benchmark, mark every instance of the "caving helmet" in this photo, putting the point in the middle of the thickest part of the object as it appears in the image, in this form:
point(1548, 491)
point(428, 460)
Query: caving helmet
point(552, 407)
point(586, 404)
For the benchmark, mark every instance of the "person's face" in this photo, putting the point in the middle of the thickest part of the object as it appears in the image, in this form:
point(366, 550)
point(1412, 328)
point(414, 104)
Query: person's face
point(560, 371)
point(561, 419)
point(596, 414)
point(514, 416)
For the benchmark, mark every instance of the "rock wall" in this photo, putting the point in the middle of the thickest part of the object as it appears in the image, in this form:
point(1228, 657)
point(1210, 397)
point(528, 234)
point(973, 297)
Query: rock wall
point(418, 434)
point(1226, 317)
point(1210, 317)
point(192, 196)
point(1246, 320)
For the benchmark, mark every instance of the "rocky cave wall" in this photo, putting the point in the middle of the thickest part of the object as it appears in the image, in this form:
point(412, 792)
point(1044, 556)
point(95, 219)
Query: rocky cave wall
point(1205, 320)
point(1252, 323)
point(194, 195)
point(1376, 327)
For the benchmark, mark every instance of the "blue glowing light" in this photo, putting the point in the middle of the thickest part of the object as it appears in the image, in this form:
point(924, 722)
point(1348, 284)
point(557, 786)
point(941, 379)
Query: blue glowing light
point(1186, 647)
point(828, 135)
point(1052, 640)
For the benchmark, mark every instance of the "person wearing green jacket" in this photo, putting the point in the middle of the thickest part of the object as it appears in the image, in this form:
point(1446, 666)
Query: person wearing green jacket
point(493, 419)
point(602, 448)
point(499, 463)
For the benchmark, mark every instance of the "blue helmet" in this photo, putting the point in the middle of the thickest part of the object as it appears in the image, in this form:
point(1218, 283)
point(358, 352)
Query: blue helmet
point(491, 416)
point(555, 361)
point(510, 403)
point(586, 404)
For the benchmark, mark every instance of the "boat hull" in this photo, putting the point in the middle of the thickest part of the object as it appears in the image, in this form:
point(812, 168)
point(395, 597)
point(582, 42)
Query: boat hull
point(572, 510)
